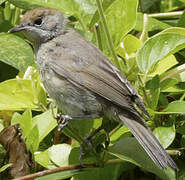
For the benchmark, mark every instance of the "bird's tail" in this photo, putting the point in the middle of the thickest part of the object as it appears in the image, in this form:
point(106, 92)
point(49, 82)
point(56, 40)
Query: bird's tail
point(148, 141)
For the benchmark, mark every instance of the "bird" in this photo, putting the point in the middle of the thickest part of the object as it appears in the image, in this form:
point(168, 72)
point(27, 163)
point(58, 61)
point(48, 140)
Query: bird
point(82, 80)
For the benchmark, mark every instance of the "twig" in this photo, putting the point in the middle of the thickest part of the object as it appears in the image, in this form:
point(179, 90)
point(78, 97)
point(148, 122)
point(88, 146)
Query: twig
point(65, 168)
point(98, 36)
point(165, 15)
point(144, 34)
point(173, 74)
point(51, 171)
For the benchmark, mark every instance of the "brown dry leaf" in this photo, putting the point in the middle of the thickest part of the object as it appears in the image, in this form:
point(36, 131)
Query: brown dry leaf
point(19, 156)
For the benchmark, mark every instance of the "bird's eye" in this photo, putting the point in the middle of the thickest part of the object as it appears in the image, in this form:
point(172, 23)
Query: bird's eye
point(38, 21)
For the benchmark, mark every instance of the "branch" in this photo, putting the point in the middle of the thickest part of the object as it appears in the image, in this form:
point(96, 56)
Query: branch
point(65, 168)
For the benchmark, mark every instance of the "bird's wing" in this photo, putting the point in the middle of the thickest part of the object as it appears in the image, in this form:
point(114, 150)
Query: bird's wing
point(104, 81)
point(85, 65)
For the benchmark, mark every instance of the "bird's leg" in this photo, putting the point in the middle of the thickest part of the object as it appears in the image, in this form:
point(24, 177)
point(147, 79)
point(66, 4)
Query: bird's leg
point(89, 143)
point(90, 136)
point(62, 121)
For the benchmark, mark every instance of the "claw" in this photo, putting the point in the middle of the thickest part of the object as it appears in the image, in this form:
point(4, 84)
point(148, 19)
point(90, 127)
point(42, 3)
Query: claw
point(63, 121)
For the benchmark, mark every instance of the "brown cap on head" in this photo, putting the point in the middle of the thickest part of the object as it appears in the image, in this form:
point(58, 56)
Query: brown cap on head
point(38, 12)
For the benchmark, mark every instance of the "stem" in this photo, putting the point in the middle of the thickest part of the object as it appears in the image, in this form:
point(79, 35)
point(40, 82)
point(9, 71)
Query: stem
point(107, 33)
point(98, 36)
point(16, 15)
point(82, 24)
point(144, 35)
point(182, 97)
point(143, 89)
point(77, 167)
point(166, 15)
point(174, 73)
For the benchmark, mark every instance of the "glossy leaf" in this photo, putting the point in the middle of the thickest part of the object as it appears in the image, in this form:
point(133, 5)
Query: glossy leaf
point(167, 83)
point(122, 131)
point(123, 20)
point(165, 63)
point(2, 1)
point(128, 47)
point(81, 9)
point(96, 16)
point(32, 141)
point(3, 168)
point(181, 21)
point(45, 123)
point(17, 94)
point(43, 159)
point(175, 107)
point(128, 149)
point(112, 172)
point(153, 24)
point(159, 47)
point(165, 135)
point(20, 57)
point(59, 154)
point(25, 121)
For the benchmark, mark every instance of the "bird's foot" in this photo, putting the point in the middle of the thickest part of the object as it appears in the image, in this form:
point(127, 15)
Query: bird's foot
point(62, 121)
point(94, 146)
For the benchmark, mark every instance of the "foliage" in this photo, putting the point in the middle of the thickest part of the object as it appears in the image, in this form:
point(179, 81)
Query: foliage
point(148, 48)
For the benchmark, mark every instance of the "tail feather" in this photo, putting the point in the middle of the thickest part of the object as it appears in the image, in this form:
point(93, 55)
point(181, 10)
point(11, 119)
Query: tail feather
point(149, 142)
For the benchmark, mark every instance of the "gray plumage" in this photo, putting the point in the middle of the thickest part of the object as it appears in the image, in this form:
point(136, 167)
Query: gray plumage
point(82, 81)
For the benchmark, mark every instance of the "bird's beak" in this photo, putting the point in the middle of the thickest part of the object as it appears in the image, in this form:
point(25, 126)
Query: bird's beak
point(18, 28)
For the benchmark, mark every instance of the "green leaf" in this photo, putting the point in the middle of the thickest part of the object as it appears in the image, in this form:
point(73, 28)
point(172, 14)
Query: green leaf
point(3, 168)
point(2, 1)
point(182, 74)
point(81, 127)
point(17, 94)
point(128, 149)
point(181, 129)
point(64, 5)
point(81, 9)
point(165, 135)
point(159, 47)
point(43, 159)
point(155, 98)
point(129, 46)
point(123, 131)
point(153, 83)
point(25, 121)
point(167, 83)
point(181, 21)
point(59, 154)
point(175, 107)
point(145, 5)
point(153, 24)
point(55, 156)
point(96, 17)
point(123, 20)
point(108, 172)
point(166, 63)
point(45, 123)
point(16, 52)
point(32, 140)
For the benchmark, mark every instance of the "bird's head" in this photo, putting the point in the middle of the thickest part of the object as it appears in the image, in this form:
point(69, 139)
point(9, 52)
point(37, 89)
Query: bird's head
point(41, 24)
